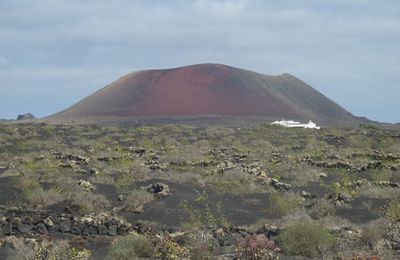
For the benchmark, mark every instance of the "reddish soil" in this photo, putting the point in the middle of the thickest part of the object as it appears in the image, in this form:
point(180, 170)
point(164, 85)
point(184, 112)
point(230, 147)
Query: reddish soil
point(207, 89)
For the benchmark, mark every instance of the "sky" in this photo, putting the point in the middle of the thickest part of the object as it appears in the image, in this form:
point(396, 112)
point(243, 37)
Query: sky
point(55, 52)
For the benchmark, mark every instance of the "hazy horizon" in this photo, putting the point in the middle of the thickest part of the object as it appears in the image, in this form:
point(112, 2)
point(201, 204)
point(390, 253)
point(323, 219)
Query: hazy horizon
point(54, 53)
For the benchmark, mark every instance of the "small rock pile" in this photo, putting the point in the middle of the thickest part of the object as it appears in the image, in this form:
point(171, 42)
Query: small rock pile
point(160, 190)
point(76, 158)
point(87, 186)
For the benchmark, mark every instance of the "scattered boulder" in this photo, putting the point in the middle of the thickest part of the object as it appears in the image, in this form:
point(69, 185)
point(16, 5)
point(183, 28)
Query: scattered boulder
point(49, 221)
point(342, 198)
point(41, 228)
point(87, 186)
point(65, 226)
point(306, 195)
point(386, 184)
point(280, 186)
point(75, 230)
point(160, 190)
point(7, 229)
point(24, 227)
point(270, 230)
point(138, 150)
point(94, 171)
point(74, 158)
point(112, 230)
point(102, 230)
point(323, 175)
point(154, 165)
point(121, 197)
point(90, 230)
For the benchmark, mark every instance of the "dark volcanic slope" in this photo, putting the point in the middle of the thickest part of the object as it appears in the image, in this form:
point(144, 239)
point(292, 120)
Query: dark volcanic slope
point(207, 90)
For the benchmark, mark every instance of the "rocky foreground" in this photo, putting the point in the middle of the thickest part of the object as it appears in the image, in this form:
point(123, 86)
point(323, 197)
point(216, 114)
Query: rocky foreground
point(186, 192)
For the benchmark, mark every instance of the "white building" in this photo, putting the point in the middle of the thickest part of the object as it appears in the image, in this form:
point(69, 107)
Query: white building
point(294, 124)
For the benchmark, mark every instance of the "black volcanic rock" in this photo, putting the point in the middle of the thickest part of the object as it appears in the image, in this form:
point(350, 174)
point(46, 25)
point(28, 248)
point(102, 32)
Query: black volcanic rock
point(27, 116)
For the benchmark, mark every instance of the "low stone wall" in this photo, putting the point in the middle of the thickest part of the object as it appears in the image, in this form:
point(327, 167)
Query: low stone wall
point(18, 221)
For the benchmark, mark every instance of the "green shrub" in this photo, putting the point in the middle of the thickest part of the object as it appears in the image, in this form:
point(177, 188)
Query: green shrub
point(392, 209)
point(167, 248)
point(204, 214)
point(228, 185)
point(137, 199)
point(256, 247)
point(133, 246)
point(321, 209)
point(123, 183)
point(40, 198)
point(306, 239)
point(57, 250)
point(381, 175)
point(374, 232)
point(282, 204)
point(87, 202)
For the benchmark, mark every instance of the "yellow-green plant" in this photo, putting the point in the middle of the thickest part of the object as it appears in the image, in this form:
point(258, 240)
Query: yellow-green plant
point(133, 246)
point(306, 239)
point(281, 204)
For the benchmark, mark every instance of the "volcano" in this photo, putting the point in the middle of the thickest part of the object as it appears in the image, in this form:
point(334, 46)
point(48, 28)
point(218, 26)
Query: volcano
point(207, 90)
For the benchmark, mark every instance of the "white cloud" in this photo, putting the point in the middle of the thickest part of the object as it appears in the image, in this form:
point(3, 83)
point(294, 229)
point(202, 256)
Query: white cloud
point(339, 46)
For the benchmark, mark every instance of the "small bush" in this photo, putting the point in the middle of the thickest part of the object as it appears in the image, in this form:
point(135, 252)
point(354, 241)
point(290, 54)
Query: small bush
point(167, 248)
point(123, 183)
point(283, 204)
point(232, 182)
point(381, 175)
point(321, 209)
point(255, 247)
point(392, 209)
point(209, 216)
point(59, 250)
point(306, 239)
point(131, 247)
point(373, 233)
point(201, 245)
point(40, 198)
point(87, 202)
point(137, 199)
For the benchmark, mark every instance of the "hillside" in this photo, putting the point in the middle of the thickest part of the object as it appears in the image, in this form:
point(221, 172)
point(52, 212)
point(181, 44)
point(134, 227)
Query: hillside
point(207, 90)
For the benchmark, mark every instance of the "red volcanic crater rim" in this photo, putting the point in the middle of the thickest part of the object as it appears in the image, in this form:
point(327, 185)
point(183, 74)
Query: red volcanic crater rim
point(206, 89)
point(193, 90)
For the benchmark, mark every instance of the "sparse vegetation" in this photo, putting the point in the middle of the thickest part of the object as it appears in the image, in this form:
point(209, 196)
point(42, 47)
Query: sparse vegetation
point(87, 202)
point(335, 185)
point(136, 200)
point(133, 246)
point(306, 239)
point(41, 198)
point(392, 209)
point(208, 217)
point(282, 204)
